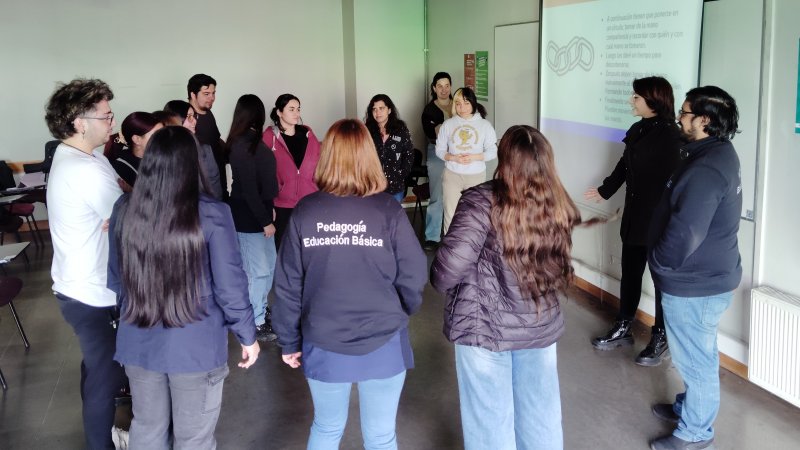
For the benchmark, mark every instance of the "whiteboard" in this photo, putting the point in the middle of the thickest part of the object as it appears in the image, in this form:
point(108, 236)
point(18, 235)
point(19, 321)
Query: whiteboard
point(516, 88)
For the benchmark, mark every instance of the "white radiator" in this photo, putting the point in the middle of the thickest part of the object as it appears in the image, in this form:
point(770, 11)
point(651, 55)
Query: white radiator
point(774, 362)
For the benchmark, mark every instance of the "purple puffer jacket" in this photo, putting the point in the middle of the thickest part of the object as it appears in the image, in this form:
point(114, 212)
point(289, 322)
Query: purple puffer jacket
point(485, 307)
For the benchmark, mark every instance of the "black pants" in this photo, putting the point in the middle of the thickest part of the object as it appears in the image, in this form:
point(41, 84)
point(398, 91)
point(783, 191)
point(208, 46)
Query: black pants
point(634, 259)
point(282, 216)
point(101, 376)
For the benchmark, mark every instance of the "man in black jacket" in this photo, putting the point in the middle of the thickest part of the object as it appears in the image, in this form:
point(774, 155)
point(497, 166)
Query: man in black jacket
point(694, 259)
point(202, 92)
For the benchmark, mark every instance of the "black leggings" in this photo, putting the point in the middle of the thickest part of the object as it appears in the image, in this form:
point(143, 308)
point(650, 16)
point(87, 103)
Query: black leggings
point(634, 259)
point(282, 216)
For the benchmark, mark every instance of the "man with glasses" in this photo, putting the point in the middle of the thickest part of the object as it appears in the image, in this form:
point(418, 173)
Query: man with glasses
point(202, 92)
point(81, 192)
point(694, 259)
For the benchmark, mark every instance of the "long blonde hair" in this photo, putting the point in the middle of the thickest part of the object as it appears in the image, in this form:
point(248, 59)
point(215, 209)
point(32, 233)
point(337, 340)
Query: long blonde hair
point(348, 162)
point(532, 213)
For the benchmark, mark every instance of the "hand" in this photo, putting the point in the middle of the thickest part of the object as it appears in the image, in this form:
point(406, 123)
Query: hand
point(249, 355)
point(292, 359)
point(464, 158)
point(269, 230)
point(593, 194)
point(105, 225)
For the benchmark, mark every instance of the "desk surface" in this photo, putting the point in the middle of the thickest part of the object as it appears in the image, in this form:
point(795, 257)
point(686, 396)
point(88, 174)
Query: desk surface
point(10, 199)
point(11, 251)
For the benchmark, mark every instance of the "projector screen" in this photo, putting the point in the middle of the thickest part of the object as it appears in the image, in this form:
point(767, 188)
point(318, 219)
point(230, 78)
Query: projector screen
point(591, 51)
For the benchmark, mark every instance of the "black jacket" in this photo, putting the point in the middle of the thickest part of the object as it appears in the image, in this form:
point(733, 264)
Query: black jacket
point(397, 157)
point(651, 154)
point(254, 184)
point(431, 117)
point(694, 250)
point(485, 307)
point(127, 166)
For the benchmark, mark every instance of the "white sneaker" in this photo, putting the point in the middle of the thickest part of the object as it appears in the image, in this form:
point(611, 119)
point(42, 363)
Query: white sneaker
point(120, 438)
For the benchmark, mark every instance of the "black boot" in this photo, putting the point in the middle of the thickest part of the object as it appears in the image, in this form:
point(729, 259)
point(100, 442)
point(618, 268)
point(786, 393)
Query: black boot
point(618, 336)
point(656, 351)
point(264, 331)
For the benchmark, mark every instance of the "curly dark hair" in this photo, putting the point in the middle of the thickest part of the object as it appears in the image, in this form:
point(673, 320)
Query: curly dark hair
point(719, 107)
point(71, 100)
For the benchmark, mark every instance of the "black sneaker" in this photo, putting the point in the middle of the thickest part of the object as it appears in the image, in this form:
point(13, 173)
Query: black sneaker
point(664, 411)
point(264, 332)
point(618, 336)
point(430, 246)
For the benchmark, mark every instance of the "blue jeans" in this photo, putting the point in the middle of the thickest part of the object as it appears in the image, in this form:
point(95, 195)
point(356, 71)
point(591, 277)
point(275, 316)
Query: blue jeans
point(691, 324)
point(433, 213)
point(190, 402)
point(378, 401)
point(258, 257)
point(509, 400)
point(399, 196)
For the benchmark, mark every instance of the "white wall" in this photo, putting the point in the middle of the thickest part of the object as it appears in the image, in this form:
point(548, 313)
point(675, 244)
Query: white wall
point(778, 244)
point(147, 50)
point(390, 58)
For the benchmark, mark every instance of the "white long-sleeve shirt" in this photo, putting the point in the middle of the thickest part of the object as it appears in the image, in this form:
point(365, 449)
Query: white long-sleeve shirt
point(474, 135)
point(81, 192)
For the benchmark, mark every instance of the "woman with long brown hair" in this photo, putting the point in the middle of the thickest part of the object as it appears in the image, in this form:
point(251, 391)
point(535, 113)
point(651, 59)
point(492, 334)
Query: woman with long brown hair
point(350, 273)
point(502, 264)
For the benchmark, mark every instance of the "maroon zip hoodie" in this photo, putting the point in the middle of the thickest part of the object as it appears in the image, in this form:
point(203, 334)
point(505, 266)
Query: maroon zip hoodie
point(293, 183)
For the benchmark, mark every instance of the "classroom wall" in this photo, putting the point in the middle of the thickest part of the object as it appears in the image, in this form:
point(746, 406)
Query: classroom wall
point(147, 50)
point(456, 27)
point(765, 84)
point(390, 58)
point(778, 245)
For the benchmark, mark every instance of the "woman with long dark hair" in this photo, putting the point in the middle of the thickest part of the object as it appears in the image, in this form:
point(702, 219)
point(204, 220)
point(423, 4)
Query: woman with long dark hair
point(392, 141)
point(175, 266)
point(296, 151)
point(125, 150)
point(435, 113)
point(652, 147)
point(350, 273)
point(208, 165)
point(465, 142)
point(502, 265)
point(252, 192)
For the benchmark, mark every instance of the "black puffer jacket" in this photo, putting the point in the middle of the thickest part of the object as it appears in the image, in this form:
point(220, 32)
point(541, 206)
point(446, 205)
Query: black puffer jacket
point(484, 305)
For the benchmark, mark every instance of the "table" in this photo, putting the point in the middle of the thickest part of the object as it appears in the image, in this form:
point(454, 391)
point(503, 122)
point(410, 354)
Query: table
point(10, 251)
point(10, 199)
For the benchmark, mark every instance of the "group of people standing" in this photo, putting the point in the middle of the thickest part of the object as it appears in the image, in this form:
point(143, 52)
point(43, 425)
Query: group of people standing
point(153, 279)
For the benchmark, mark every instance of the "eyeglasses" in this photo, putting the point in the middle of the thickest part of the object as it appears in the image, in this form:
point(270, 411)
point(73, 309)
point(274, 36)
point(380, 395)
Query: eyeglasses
point(109, 118)
point(682, 113)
